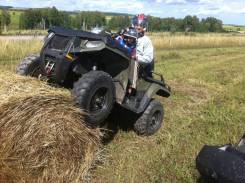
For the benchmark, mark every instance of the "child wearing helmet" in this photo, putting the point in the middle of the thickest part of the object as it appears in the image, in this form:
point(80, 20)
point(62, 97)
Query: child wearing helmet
point(130, 36)
point(126, 41)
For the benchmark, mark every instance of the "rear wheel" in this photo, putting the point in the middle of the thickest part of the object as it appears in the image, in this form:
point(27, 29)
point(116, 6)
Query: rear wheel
point(151, 120)
point(29, 66)
point(94, 92)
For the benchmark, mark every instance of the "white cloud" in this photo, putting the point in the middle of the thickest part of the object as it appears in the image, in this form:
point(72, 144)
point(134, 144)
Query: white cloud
point(171, 1)
point(162, 8)
point(216, 7)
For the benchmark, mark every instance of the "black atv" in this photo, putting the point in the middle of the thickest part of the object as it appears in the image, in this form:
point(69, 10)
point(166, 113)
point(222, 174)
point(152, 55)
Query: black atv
point(98, 72)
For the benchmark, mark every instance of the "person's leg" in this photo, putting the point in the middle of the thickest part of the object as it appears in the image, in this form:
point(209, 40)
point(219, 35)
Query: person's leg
point(135, 75)
point(149, 69)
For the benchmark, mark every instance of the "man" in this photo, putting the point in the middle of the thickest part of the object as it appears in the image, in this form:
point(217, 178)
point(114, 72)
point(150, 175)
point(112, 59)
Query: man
point(144, 49)
point(144, 53)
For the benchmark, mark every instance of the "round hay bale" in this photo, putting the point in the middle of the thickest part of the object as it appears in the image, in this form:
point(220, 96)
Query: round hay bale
point(12, 85)
point(42, 137)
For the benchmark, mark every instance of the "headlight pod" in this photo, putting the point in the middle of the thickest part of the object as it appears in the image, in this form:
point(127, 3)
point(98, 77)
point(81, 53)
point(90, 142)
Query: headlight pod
point(94, 44)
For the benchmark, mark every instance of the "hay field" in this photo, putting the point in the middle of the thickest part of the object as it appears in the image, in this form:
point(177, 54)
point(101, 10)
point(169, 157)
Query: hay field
point(207, 106)
point(196, 40)
point(12, 51)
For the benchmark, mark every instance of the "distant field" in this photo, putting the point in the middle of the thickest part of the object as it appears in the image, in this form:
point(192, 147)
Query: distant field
point(195, 40)
point(108, 18)
point(15, 17)
point(207, 106)
point(234, 28)
point(24, 32)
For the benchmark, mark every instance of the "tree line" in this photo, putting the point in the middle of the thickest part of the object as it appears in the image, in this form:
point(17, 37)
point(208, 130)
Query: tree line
point(46, 17)
point(187, 24)
point(5, 19)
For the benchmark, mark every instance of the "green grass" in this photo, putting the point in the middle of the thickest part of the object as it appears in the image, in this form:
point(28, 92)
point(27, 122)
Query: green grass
point(15, 19)
point(207, 106)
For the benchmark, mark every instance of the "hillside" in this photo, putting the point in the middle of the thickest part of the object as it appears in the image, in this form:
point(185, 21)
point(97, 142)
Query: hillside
point(5, 7)
point(16, 12)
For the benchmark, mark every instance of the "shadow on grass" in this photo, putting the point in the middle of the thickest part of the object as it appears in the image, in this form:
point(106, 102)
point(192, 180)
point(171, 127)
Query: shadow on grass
point(119, 119)
point(203, 180)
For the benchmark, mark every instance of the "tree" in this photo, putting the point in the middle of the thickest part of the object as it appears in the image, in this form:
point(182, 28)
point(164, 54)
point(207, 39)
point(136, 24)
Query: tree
point(0, 24)
point(5, 19)
point(191, 23)
point(171, 24)
point(54, 17)
point(44, 18)
point(87, 20)
point(213, 24)
point(119, 22)
point(30, 19)
point(155, 23)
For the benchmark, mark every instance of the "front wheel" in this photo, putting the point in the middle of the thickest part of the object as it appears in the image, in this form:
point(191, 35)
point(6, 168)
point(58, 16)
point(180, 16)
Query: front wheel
point(151, 119)
point(94, 92)
point(29, 66)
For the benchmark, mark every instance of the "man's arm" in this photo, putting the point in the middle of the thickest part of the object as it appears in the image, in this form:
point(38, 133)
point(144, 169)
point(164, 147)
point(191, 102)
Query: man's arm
point(145, 51)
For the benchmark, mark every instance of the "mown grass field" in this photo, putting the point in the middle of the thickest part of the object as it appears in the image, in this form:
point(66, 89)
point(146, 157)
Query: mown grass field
point(207, 106)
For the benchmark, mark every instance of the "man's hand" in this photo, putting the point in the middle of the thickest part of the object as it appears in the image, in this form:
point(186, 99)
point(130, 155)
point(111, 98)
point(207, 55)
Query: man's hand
point(134, 57)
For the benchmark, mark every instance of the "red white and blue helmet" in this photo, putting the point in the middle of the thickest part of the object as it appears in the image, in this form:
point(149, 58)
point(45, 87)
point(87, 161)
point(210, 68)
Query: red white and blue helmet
point(140, 20)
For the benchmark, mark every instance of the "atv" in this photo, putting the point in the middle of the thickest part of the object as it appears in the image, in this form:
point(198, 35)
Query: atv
point(98, 73)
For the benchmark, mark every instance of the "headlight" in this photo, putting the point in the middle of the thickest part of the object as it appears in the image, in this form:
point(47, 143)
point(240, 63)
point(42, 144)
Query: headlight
point(94, 44)
point(48, 36)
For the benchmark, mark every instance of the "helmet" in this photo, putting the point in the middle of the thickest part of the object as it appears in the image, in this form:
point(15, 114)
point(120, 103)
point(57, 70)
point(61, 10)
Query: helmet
point(131, 32)
point(140, 20)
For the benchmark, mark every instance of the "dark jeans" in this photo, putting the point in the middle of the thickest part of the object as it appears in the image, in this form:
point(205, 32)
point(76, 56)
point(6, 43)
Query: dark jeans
point(147, 69)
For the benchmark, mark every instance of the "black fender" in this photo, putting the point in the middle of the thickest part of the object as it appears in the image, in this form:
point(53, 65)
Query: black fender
point(221, 165)
point(153, 90)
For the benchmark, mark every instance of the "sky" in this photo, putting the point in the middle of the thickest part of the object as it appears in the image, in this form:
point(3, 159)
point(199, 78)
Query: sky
point(229, 11)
